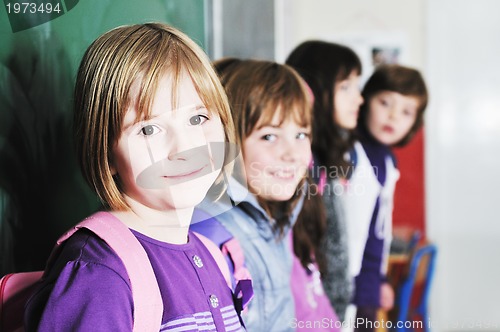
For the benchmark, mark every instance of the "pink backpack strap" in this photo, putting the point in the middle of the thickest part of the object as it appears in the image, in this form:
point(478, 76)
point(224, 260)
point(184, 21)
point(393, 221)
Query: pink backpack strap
point(148, 304)
point(243, 289)
point(233, 249)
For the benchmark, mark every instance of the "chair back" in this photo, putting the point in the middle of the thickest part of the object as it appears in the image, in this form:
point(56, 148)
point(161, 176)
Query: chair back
point(421, 272)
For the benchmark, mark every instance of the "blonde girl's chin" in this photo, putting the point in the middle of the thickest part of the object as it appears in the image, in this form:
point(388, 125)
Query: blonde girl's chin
point(189, 194)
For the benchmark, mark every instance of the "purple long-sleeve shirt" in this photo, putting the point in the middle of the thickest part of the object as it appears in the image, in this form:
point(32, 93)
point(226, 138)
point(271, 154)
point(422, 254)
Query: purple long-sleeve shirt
point(88, 288)
point(370, 278)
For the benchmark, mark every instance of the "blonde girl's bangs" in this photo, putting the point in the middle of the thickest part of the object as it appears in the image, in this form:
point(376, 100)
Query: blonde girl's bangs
point(177, 56)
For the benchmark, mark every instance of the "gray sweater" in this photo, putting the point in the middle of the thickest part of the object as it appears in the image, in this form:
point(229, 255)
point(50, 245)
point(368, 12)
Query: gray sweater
point(337, 283)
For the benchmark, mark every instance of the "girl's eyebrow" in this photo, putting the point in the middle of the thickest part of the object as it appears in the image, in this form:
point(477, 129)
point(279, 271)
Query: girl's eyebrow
point(268, 125)
point(278, 125)
point(193, 107)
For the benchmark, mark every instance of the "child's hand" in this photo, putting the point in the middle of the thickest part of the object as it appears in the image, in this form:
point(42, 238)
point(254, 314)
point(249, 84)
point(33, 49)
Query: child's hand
point(386, 296)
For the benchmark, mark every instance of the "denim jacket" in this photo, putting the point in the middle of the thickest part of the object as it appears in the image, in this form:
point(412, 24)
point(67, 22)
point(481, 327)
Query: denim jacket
point(268, 259)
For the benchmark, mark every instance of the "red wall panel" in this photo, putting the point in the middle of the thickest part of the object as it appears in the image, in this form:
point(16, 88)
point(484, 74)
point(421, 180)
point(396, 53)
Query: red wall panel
point(409, 200)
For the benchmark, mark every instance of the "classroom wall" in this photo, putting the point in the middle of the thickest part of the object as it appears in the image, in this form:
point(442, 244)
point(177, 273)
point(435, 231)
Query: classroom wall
point(324, 18)
point(463, 136)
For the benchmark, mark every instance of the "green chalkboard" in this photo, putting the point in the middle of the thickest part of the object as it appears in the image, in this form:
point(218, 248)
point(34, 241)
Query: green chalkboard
point(41, 190)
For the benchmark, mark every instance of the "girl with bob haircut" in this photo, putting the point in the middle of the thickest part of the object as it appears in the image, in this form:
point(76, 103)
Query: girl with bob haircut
point(272, 112)
point(151, 122)
point(395, 100)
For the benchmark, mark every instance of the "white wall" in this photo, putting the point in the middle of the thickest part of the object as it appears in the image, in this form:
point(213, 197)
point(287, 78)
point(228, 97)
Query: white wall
point(312, 19)
point(463, 160)
point(456, 43)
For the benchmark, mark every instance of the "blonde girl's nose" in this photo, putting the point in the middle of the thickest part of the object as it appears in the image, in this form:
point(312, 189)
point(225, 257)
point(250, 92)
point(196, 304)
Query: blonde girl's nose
point(182, 143)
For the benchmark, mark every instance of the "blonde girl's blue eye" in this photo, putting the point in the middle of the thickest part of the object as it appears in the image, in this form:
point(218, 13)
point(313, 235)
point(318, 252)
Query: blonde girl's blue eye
point(198, 119)
point(149, 130)
point(269, 137)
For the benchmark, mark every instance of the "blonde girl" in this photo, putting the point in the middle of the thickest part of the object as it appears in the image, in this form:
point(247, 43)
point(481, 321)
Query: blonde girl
point(148, 105)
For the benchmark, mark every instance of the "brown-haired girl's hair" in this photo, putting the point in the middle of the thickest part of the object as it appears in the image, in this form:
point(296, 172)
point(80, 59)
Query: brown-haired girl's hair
point(396, 78)
point(322, 65)
point(256, 90)
point(225, 65)
point(111, 64)
point(310, 230)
